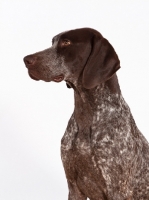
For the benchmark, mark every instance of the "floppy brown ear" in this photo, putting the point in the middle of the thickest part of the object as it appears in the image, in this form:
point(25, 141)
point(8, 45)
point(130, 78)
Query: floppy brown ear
point(102, 63)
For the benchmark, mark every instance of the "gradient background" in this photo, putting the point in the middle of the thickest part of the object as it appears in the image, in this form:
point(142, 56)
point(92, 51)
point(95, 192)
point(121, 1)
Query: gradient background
point(34, 115)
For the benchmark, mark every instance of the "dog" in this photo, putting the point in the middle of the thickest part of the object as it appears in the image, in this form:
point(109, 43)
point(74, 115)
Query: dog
point(104, 155)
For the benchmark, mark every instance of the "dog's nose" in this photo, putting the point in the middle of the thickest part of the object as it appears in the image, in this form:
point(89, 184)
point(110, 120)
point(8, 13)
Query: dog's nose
point(30, 61)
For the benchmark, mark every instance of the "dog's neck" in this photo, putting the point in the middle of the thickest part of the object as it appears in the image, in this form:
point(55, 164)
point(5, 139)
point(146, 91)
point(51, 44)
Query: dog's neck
point(88, 101)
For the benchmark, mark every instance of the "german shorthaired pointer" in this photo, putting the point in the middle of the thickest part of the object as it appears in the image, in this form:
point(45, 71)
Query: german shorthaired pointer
point(105, 156)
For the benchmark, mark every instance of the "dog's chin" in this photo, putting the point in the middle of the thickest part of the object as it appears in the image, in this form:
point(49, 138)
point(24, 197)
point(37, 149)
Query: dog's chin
point(58, 78)
point(33, 77)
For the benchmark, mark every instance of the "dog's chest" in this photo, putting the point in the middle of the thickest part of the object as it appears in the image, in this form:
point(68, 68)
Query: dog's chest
point(78, 145)
point(76, 149)
point(78, 154)
point(88, 155)
point(80, 165)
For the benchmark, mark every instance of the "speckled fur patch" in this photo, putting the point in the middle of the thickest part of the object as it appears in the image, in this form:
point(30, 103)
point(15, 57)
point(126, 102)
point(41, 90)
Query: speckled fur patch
point(116, 152)
point(105, 156)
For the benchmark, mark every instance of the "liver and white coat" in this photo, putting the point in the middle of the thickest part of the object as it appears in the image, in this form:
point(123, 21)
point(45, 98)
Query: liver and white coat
point(105, 156)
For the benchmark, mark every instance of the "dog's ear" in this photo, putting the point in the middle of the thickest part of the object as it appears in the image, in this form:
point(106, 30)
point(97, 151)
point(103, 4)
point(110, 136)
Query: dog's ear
point(102, 63)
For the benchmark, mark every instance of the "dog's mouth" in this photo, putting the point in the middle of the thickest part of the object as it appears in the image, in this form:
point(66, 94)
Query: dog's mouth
point(58, 78)
point(33, 76)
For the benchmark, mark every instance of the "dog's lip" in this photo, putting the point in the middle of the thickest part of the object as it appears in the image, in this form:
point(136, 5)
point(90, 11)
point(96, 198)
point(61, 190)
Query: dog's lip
point(32, 75)
point(58, 78)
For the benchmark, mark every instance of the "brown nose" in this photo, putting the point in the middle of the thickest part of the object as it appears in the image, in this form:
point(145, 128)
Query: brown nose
point(30, 61)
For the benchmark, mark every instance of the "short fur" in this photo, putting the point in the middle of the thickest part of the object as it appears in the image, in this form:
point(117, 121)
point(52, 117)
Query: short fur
point(105, 156)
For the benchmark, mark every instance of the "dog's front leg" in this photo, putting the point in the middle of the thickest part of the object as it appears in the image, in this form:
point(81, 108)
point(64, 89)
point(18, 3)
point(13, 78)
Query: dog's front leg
point(75, 193)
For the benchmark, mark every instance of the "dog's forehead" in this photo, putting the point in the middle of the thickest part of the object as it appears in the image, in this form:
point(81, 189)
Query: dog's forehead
point(79, 34)
point(57, 37)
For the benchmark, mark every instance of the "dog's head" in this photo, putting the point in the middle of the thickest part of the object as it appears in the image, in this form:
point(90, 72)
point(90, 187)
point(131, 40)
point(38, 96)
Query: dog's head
point(76, 55)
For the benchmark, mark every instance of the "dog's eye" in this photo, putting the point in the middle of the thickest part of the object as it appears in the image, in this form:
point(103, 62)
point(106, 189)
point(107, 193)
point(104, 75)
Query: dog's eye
point(66, 42)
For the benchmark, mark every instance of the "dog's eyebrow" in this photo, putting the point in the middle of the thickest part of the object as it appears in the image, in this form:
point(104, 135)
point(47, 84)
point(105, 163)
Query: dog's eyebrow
point(54, 39)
